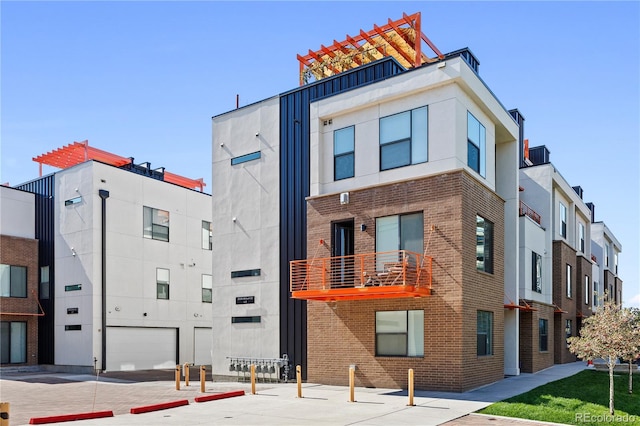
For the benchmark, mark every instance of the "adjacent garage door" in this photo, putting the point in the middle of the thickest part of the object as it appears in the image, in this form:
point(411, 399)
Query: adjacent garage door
point(140, 348)
point(202, 342)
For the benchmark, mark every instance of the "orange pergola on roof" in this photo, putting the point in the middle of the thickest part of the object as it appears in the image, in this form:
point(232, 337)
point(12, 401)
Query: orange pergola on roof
point(401, 39)
point(79, 152)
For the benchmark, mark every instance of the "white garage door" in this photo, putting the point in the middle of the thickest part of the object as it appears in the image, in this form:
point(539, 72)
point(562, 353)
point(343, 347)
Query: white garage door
point(202, 341)
point(139, 348)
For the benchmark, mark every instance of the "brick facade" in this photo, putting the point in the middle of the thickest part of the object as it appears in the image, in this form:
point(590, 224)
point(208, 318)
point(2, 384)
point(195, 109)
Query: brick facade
point(564, 255)
point(343, 333)
point(532, 359)
point(583, 301)
point(18, 251)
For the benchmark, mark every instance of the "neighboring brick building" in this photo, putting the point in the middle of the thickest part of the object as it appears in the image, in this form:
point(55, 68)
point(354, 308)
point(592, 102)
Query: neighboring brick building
point(19, 310)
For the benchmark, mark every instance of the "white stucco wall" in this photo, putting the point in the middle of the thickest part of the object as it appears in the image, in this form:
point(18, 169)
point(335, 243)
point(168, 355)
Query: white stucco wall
point(532, 239)
point(249, 193)
point(131, 259)
point(17, 213)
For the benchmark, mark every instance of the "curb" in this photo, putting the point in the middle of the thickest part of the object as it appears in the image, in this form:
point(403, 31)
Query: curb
point(219, 396)
point(161, 406)
point(70, 417)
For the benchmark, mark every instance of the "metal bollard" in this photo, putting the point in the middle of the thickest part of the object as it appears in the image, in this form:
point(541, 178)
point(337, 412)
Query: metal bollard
point(4, 413)
point(178, 377)
point(186, 374)
point(352, 383)
point(299, 380)
point(203, 374)
point(411, 387)
point(253, 379)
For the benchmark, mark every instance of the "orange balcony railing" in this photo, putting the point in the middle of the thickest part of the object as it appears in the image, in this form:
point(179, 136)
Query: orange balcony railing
point(382, 275)
point(525, 210)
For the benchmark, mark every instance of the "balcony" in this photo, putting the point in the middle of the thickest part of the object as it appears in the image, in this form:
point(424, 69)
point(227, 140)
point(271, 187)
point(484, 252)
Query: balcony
point(383, 275)
point(525, 210)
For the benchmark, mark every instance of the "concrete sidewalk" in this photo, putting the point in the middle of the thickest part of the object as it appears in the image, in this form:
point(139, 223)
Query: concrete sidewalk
point(47, 394)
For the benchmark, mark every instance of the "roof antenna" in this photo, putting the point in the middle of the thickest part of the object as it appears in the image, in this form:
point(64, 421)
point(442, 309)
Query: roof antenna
point(237, 101)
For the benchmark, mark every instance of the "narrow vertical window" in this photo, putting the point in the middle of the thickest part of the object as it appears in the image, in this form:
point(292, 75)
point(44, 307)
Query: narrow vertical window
point(595, 293)
point(484, 245)
point(207, 286)
point(476, 145)
point(484, 333)
point(587, 294)
point(569, 283)
point(344, 153)
point(207, 235)
point(563, 220)
point(44, 282)
point(581, 236)
point(543, 335)
point(615, 263)
point(536, 272)
point(568, 329)
point(162, 283)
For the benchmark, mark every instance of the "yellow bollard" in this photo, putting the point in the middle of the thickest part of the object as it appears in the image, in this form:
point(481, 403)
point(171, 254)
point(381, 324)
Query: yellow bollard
point(352, 383)
point(186, 374)
point(178, 377)
point(4, 414)
point(253, 379)
point(203, 374)
point(299, 380)
point(411, 387)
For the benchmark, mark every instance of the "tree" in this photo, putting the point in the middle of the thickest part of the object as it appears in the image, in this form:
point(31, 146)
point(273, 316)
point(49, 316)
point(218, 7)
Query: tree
point(634, 354)
point(612, 333)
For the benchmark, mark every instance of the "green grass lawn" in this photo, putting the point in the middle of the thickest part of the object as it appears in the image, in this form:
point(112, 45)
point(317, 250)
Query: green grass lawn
point(577, 400)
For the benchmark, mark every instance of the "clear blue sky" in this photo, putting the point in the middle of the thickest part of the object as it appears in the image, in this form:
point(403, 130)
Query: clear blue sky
point(143, 79)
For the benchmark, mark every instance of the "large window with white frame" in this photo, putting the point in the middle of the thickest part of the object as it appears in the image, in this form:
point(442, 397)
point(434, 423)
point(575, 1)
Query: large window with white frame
point(404, 139)
point(476, 145)
point(400, 333)
point(344, 141)
point(13, 281)
point(156, 224)
point(569, 282)
point(563, 220)
point(581, 234)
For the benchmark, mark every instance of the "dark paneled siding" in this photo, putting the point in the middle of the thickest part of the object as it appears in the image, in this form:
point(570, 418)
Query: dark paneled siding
point(294, 188)
point(44, 233)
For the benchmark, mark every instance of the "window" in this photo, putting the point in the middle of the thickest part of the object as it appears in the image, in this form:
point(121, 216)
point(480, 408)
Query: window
point(563, 221)
point(244, 158)
point(162, 283)
point(615, 263)
point(400, 232)
point(13, 342)
point(581, 236)
point(485, 333)
point(73, 287)
point(476, 145)
point(567, 329)
point(156, 224)
point(44, 282)
point(246, 273)
point(536, 272)
point(72, 311)
point(569, 283)
point(400, 333)
point(73, 327)
point(207, 234)
point(244, 320)
point(73, 201)
point(595, 293)
point(13, 281)
point(606, 254)
point(403, 139)
point(343, 153)
point(484, 245)
point(207, 285)
point(586, 290)
point(543, 335)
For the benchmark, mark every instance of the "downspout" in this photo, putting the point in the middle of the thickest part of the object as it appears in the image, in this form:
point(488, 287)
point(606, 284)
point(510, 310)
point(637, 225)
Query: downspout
point(104, 194)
